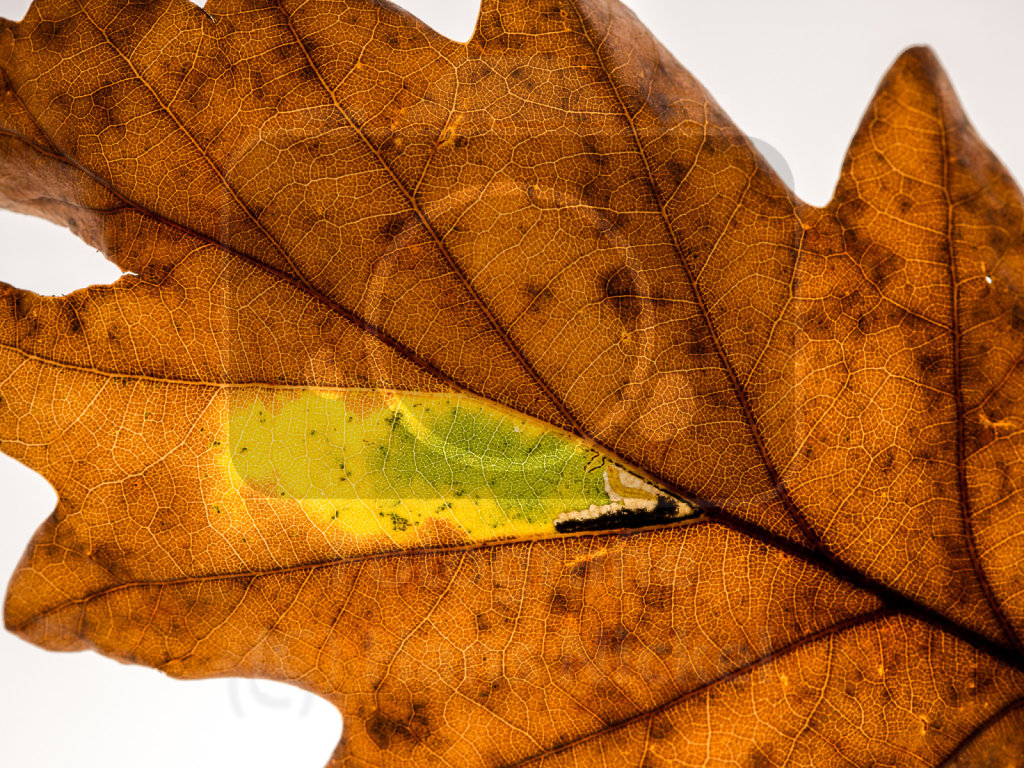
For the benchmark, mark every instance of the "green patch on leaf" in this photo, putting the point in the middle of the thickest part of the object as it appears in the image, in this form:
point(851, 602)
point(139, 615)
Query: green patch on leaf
point(377, 463)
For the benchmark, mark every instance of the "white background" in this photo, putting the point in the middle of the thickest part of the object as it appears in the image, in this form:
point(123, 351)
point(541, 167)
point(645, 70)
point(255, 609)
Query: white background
point(796, 75)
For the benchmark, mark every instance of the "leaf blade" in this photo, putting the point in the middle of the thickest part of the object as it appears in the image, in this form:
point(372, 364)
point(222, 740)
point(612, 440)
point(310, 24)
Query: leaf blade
point(711, 380)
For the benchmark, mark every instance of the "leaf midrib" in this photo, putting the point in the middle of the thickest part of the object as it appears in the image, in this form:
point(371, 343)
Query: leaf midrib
point(890, 598)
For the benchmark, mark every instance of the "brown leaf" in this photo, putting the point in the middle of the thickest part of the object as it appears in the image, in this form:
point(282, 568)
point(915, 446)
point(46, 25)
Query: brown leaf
point(555, 229)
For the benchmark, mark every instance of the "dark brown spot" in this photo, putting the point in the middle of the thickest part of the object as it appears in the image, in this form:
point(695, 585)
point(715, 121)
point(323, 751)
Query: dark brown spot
point(850, 302)
point(129, 26)
point(559, 603)
point(660, 103)
point(490, 689)
point(22, 305)
point(380, 730)
point(614, 638)
point(619, 287)
point(888, 459)
point(113, 559)
point(619, 221)
point(699, 344)
point(868, 323)
point(676, 171)
point(104, 103)
point(850, 208)
point(257, 83)
point(661, 728)
point(933, 365)
point(595, 194)
point(882, 265)
point(998, 240)
point(539, 297)
point(593, 152)
point(63, 102)
point(393, 225)
point(386, 732)
point(658, 598)
point(47, 32)
point(474, 71)
point(195, 89)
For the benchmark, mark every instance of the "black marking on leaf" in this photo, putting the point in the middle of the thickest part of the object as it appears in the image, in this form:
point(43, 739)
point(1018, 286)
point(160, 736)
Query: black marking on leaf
point(666, 511)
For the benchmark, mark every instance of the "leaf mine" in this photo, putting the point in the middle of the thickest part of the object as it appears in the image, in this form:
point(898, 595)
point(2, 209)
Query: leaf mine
point(382, 469)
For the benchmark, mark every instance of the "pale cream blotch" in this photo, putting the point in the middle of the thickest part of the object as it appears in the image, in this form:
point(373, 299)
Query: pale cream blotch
point(417, 469)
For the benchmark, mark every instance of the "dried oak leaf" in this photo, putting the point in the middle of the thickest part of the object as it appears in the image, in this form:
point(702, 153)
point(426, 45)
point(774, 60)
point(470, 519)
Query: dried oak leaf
point(553, 236)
